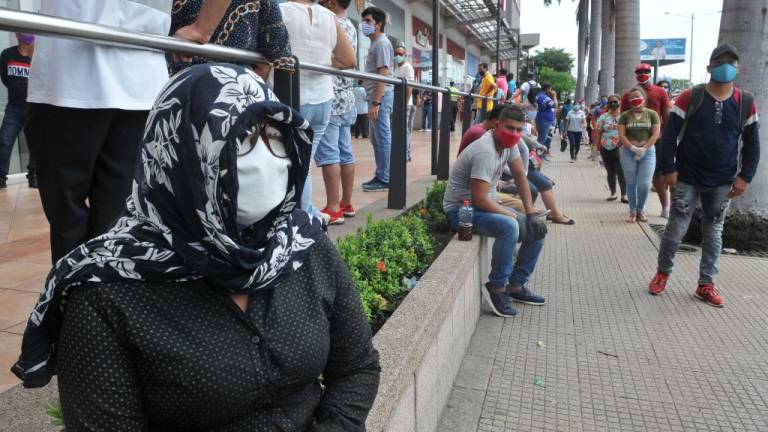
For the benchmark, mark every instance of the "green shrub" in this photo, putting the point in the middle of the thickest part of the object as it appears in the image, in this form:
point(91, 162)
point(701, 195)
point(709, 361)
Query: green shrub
point(431, 208)
point(381, 253)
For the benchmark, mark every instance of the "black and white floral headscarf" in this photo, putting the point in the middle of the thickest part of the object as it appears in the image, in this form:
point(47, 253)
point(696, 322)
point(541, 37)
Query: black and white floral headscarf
point(180, 220)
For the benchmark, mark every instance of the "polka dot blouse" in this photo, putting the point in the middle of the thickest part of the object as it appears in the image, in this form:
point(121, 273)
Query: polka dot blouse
point(183, 357)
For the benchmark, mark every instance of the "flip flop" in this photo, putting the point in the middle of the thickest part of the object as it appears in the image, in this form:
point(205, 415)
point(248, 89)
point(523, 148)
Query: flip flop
point(631, 219)
point(625, 201)
point(612, 198)
point(568, 222)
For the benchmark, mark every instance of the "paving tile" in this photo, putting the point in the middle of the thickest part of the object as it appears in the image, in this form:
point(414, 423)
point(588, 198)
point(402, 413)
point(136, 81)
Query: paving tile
point(10, 346)
point(613, 357)
point(15, 307)
point(14, 274)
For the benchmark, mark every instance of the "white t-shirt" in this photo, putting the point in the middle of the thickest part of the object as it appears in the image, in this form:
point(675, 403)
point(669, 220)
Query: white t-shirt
point(406, 71)
point(575, 121)
point(312, 41)
point(80, 74)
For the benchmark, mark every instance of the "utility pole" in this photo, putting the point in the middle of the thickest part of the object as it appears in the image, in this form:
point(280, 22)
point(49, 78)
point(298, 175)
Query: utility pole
point(690, 70)
point(498, 35)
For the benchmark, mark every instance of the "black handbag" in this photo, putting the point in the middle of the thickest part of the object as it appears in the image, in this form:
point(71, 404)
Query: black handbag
point(563, 144)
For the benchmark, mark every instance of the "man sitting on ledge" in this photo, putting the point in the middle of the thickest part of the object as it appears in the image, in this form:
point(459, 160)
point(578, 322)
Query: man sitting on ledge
point(474, 177)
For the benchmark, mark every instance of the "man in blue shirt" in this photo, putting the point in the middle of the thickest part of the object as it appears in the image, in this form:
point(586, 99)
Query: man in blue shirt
point(704, 165)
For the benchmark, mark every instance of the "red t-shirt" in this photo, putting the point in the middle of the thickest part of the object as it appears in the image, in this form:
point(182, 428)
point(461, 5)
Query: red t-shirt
point(658, 100)
point(473, 134)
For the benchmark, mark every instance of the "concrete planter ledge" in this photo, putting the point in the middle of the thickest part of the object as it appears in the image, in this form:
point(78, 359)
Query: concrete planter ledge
point(423, 343)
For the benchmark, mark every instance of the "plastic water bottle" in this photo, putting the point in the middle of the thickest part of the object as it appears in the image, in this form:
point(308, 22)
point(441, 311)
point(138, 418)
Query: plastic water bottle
point(465, 222)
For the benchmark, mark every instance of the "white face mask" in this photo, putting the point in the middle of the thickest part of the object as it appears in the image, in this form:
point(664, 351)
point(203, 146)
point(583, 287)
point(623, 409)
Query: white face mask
point(263, 178)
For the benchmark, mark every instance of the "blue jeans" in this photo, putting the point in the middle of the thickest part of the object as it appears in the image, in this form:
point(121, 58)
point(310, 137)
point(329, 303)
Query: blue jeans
point(638, 175)
point(318, 116)
point(426, 121)
point(336, 145)
point(408, 130)
point(542, 182)
point(380, 134)
point(507, 231)
point(13, 123)
point(542, 127)
point(714, 205)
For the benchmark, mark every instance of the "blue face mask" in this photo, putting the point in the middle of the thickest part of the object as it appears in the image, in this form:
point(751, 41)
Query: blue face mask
point(368, 29)
point(399, 59)
point(724, 73)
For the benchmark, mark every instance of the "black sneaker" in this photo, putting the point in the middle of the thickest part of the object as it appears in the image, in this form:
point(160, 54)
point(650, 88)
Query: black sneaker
point(373, 180)
point(32, 181)
point(499, 303)
point(3, 183)
point(525, 296)
point(377, 186)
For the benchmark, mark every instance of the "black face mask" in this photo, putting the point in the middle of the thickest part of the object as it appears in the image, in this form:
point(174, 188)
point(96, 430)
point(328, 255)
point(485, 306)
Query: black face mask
point(481, 73)
point(613, 105)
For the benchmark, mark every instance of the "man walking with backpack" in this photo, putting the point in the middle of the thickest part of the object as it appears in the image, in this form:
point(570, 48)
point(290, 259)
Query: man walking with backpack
point(701, 158)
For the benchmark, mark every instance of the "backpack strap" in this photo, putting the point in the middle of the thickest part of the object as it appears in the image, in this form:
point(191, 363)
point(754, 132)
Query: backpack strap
point(746, 101)
point(697, 98)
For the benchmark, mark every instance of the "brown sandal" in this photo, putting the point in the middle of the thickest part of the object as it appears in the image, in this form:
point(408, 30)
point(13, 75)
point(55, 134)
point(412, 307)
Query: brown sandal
point(642, 217)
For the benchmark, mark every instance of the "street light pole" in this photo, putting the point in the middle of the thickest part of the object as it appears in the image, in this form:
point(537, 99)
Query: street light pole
point(498, 34)
point(690, 67)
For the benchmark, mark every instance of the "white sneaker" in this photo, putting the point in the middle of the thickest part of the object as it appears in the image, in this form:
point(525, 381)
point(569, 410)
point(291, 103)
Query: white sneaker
point(665, 213)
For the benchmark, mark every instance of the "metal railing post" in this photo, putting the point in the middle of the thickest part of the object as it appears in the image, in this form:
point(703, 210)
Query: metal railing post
point(444, 150)
point(434, 135)
point(397, 163)
point(287, 86)
point(467, 122)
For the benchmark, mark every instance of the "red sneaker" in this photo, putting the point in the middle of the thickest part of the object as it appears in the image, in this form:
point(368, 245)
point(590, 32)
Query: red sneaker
point(348, 210)
point(658, 284)
point(332, 217)
point(709, 294)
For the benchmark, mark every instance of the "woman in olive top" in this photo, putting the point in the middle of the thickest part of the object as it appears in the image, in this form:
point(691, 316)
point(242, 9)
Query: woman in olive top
point(214, 303)
point(638, 131)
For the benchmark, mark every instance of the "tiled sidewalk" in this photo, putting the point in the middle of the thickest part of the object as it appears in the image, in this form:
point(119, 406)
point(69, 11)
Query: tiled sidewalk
point(610, 356)
point(25, 253)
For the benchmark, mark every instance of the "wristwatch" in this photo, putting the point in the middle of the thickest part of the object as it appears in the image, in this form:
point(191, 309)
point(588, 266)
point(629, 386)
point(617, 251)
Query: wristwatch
point(374, 103)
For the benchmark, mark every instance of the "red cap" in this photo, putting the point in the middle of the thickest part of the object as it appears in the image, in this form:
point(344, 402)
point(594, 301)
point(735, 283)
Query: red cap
point(643, 67)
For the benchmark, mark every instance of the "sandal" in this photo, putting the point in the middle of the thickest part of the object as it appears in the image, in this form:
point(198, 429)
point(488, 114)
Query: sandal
point(612, 198)
point(631, 219)
point(624, 200)
point(568, 221)
point(642, 217)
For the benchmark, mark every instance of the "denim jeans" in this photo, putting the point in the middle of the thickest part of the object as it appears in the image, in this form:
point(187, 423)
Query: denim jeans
point(13, 123)
point(714, 205)
point(638, 176)
point(542, 127)
point(574, 138)
point(380, 134)
point(426, 122)
point(506, 231)
point(409, 129)
point(336, 145)
point(318, 116)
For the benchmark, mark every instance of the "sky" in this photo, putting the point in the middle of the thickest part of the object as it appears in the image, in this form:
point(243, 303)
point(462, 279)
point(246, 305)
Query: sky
point(557, 26)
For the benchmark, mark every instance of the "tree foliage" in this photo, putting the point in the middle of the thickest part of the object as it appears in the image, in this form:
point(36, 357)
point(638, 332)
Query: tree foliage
point(562, 83)
point(554, 58)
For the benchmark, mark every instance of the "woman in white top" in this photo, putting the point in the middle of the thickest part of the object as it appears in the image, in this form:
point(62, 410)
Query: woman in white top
point(576, 125)
point(316, 37)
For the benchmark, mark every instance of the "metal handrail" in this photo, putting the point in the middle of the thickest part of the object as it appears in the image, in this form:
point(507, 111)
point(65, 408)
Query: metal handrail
point(286, 81)
point(12, 20)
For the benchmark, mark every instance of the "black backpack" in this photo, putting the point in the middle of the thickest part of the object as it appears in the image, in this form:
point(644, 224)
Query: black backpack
point(697, 98)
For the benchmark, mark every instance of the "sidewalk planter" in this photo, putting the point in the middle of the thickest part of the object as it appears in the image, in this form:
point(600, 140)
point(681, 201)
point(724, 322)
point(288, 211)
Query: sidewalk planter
point(423, 343)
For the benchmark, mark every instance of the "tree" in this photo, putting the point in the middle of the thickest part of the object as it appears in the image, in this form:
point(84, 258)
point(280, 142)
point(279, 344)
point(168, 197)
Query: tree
point(595, 23)
point(562, 82)
point(583, 41)
point(627, 43)
point(743, 24)
point(554, 58)
point(607, 49)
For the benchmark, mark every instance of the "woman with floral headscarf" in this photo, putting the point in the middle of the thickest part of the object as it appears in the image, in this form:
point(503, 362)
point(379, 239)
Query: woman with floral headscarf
point(213, 303)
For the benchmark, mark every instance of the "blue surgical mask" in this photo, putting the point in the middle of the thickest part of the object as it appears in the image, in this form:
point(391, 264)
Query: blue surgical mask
point(399, 59)
point(724, 73)
point(368, 29)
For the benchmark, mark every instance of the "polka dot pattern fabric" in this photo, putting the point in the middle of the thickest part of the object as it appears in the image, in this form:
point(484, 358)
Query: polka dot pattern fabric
point(182, 357)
